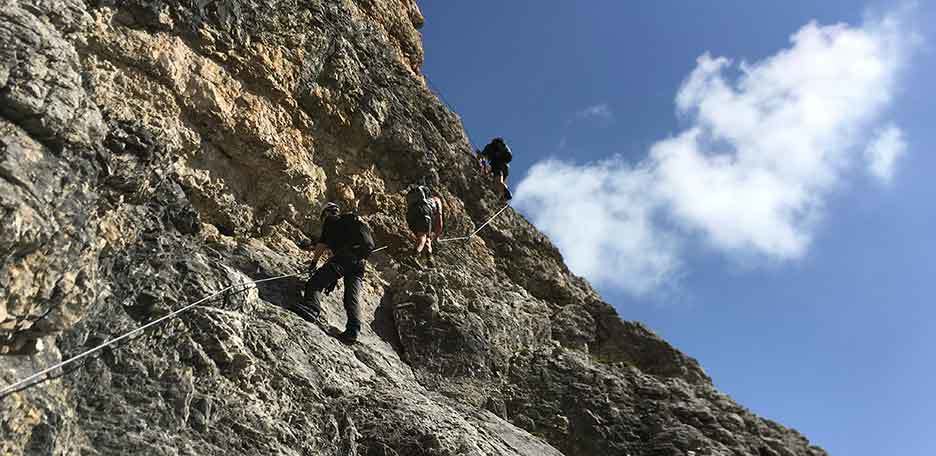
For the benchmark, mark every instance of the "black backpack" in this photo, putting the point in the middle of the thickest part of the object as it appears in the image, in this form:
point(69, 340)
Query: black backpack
point(358, 236)
point(419, 203)
point(502, 153)
point(417, 195)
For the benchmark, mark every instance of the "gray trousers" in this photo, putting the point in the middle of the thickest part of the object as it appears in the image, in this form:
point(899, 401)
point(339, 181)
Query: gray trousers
point(326, 279)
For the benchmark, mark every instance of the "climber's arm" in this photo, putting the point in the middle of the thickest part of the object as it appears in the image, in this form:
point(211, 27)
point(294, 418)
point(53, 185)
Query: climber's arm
point(319, 250)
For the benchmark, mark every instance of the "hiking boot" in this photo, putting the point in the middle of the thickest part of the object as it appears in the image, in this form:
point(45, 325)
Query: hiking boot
point(307, 313)
point(507, 195)
point(429, 258)
point(411, 261)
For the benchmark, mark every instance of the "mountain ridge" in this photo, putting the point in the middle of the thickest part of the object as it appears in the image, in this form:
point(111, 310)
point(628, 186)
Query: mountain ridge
point(154, 152)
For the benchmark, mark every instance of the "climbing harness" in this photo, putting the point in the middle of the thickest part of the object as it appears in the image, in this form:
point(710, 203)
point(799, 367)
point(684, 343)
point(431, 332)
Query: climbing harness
point(43, 375)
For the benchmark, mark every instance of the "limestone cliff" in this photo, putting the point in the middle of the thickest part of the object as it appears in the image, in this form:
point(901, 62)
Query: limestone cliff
point(154, 151)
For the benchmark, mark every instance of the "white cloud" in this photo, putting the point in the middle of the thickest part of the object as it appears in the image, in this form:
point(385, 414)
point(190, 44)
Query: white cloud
point(601, 112)
point(882, 153)
point(601, 218)
point(766, 144)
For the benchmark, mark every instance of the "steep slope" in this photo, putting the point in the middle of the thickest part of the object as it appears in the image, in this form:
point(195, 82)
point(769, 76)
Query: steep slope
point(152, 152)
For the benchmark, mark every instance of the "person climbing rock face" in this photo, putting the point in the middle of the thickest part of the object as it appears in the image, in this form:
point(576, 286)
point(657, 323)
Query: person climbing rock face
point(350, 241)
point(499, 156)
point(483, 163)
point(424, 217)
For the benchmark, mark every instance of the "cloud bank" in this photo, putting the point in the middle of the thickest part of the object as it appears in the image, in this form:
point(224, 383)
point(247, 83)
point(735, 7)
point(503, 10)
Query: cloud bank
point(765, 144)
point(601, 219)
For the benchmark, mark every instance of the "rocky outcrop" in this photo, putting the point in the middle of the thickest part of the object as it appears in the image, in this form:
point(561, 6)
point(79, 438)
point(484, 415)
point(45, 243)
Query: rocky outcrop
point(153, 152)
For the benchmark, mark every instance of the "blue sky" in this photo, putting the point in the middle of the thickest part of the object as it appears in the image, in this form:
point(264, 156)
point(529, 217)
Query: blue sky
point(788, 253)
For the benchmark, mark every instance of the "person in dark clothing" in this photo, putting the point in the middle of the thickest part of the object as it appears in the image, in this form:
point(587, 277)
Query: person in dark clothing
point(499, 156)
point(424, 218)
point(342, 235)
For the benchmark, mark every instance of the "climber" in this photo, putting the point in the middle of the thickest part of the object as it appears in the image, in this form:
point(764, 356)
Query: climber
point(499, 156)
point(350, 241)
point(424, 217)
point(483, 163)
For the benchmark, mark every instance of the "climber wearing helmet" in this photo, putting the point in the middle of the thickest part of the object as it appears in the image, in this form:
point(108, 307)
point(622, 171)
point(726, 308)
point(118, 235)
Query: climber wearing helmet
point(350, 241)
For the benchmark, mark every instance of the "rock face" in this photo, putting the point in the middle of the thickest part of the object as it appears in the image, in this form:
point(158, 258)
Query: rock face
point(154, 151)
